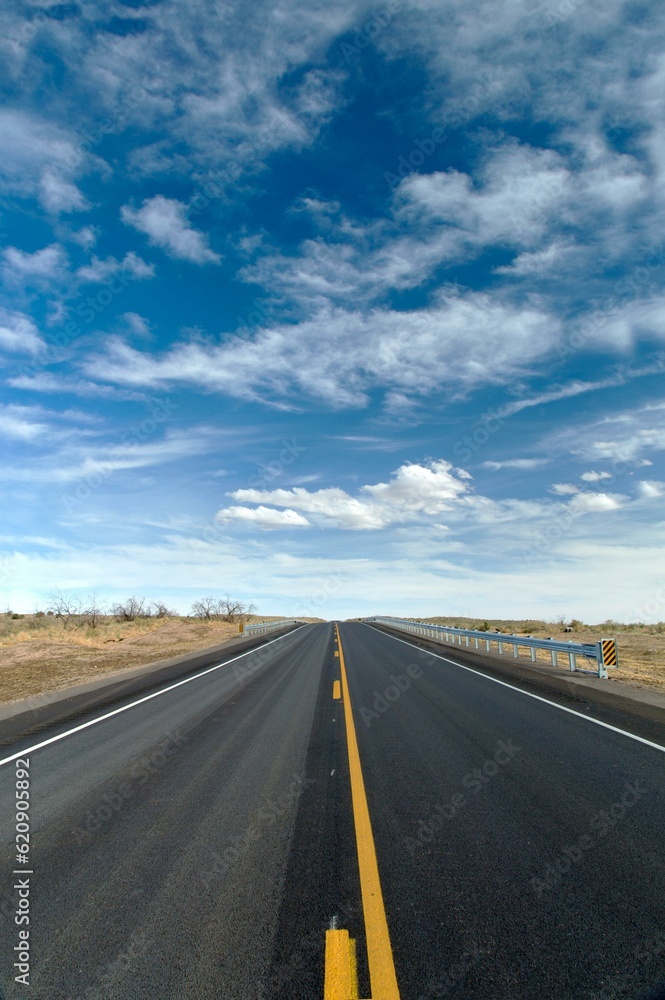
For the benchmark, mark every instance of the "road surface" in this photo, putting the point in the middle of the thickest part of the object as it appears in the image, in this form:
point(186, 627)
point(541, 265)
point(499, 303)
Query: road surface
point(199, 842)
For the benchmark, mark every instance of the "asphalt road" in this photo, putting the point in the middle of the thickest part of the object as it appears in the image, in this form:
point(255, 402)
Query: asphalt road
point(200, 843)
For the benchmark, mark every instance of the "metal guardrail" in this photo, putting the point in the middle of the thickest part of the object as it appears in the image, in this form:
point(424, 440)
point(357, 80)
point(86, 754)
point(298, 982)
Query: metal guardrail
point(267, 626)
point(604, 652)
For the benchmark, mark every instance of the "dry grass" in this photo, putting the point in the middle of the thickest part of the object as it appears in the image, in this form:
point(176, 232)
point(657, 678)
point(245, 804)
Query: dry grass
point(38, 655)
point(641, 647)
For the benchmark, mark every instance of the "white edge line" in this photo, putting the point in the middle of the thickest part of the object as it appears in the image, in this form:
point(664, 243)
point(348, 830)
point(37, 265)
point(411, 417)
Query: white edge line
point(562, 708)
point(125, 708)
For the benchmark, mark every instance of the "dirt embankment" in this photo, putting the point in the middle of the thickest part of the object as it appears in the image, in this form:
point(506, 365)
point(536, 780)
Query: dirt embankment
point(38, 654)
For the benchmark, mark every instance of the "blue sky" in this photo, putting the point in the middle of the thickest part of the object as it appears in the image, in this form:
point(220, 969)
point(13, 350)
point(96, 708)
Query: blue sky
point(339, 308)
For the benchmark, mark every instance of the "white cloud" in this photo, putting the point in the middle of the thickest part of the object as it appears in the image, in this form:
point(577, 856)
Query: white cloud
point(552, 260)
point(164, 220)
point(49, 382)
point(81, 463)
point(41, 267)
point(650, 489)
point(595, 477)
point(621, 438)
point(137, 324)
point(574, 388)
point(58, 195)
point(414, 491)
point(584, 503)
point(338, 356)
point(19, 333)
point(101, 270)
point(262, 517)
point(40, 159)
point(85, 237)
point(562, 489)
point(516, 463)
point(493, 211)
point(20, 429)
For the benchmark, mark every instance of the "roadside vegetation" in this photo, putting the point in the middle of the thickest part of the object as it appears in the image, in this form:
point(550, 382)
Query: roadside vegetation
point(77, 638)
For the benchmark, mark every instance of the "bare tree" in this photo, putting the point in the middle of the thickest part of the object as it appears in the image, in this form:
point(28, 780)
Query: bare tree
point(230, 610)
point(160, 610)
point(132, 608)
point(94, 610)
point(207, 608)
point(67, 609)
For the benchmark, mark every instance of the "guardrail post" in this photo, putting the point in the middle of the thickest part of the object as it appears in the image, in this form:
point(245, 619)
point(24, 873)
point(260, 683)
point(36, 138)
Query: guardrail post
point(533, 654)
point(515, 652)
point(602, 661)
point(500, 645)
point(572, 660)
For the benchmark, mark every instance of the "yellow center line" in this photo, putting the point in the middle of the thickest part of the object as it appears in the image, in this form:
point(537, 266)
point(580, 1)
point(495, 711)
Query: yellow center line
point(379, 951)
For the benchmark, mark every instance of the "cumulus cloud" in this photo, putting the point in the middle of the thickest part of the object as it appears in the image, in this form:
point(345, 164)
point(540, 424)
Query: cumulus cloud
point(562, 489)
point(650, 489)
point(164, 221)
point(595, 477)
point(262, 517)
point(413, 492)
point(584, 503)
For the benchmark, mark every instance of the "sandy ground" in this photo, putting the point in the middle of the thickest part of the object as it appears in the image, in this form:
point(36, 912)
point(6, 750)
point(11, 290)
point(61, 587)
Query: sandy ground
point(37, 654)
